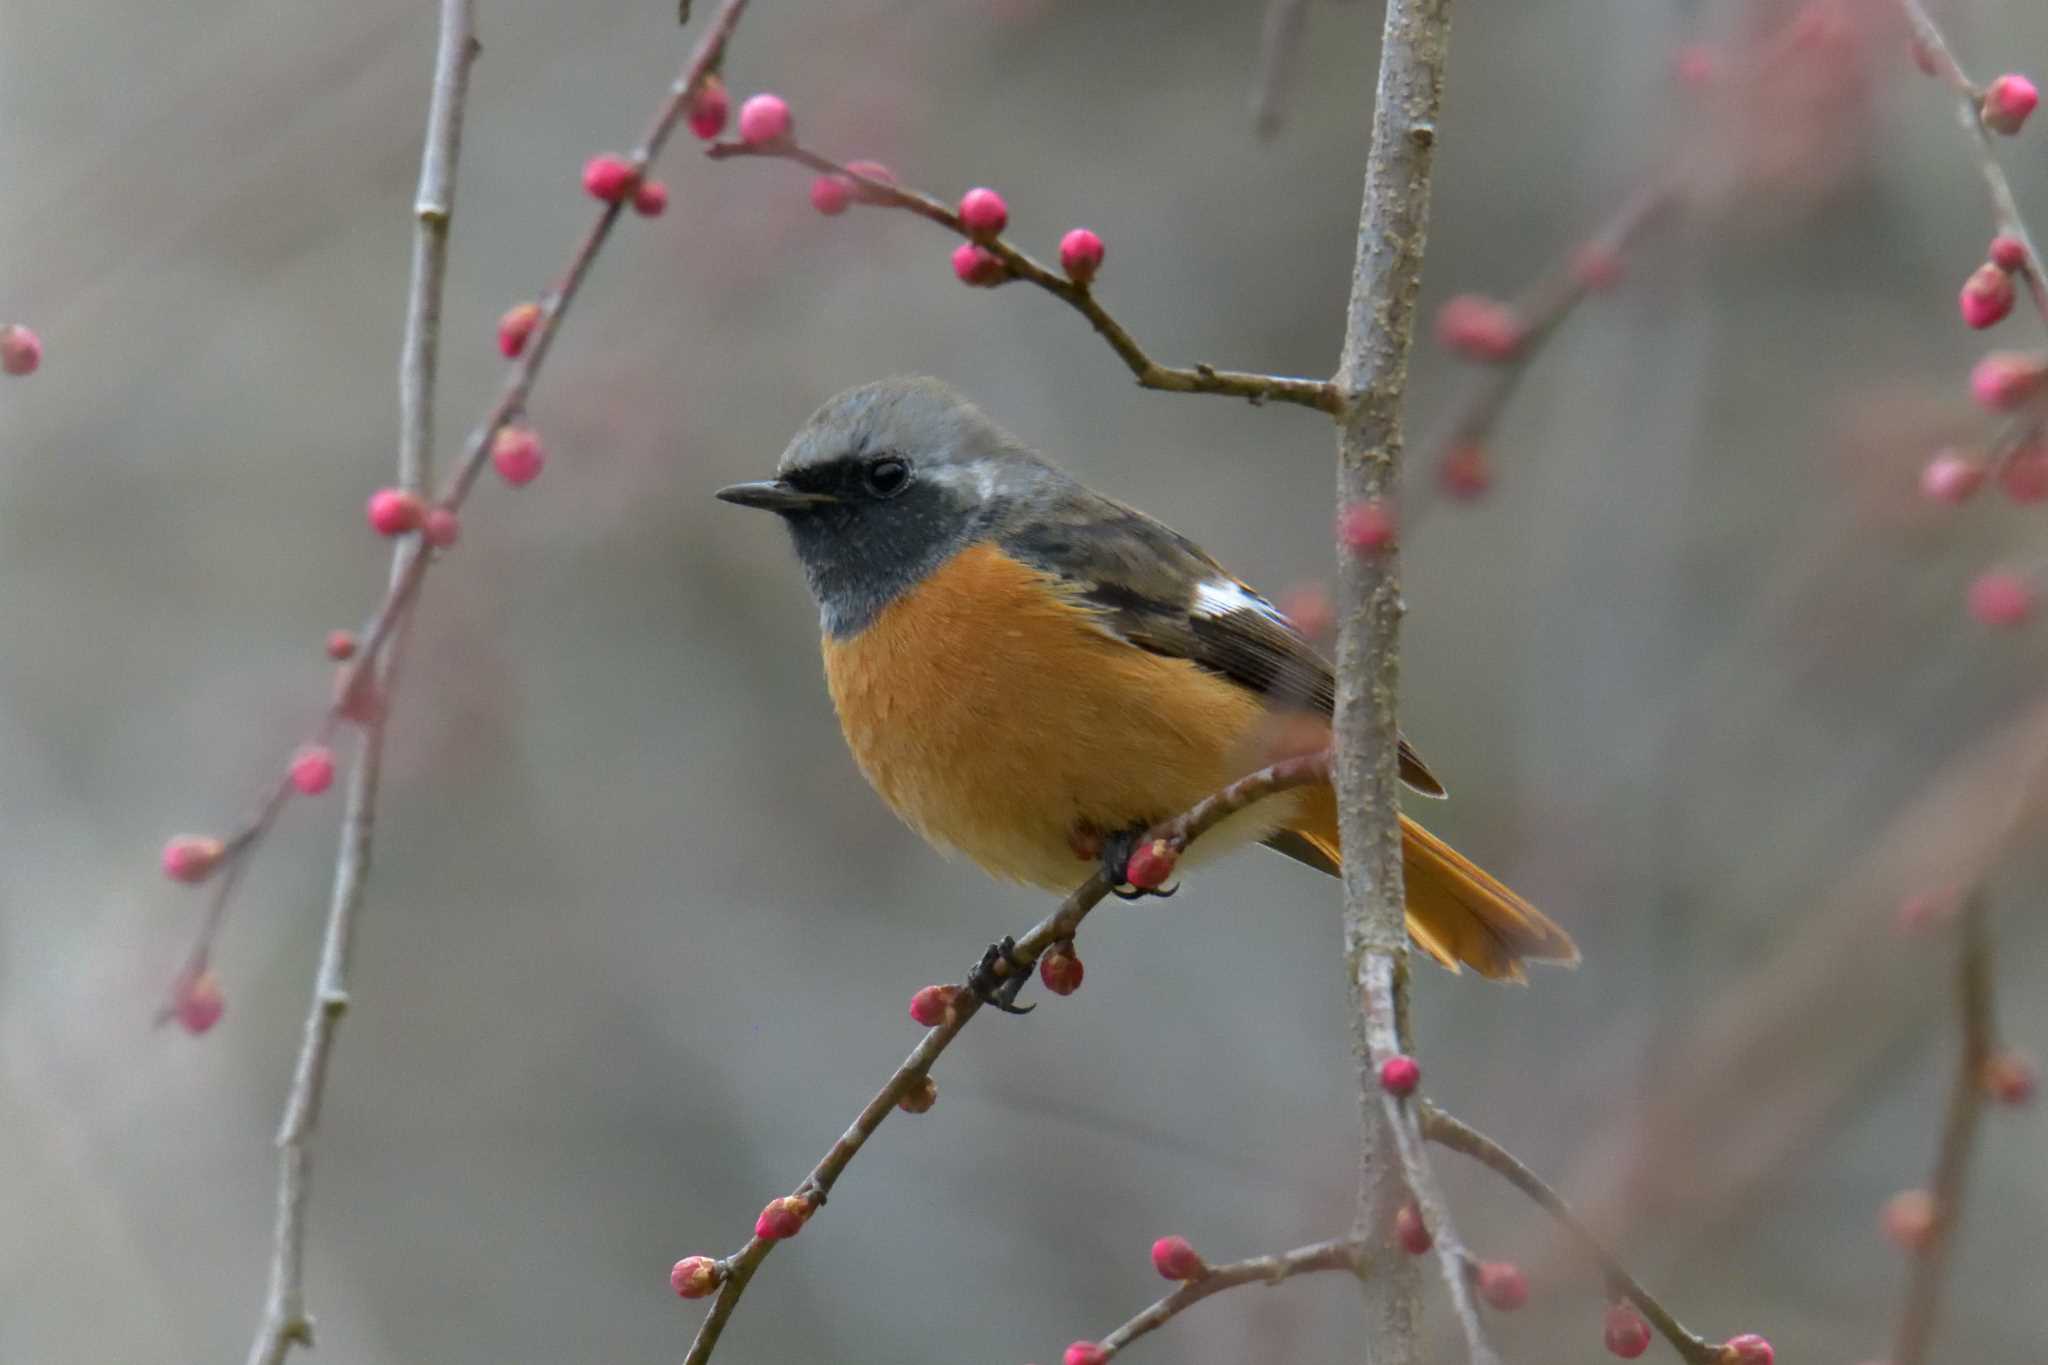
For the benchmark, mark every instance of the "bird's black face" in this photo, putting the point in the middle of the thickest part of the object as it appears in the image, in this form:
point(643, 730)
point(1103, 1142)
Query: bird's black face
point(882, 486)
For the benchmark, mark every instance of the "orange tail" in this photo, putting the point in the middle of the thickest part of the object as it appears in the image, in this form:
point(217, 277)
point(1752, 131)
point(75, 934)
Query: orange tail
point(1457, 911)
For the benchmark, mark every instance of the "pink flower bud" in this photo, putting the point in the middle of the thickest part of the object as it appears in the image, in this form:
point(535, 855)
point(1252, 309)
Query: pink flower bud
point(708, 108)
point(1308, 609)
point(1399, 1075)
point(1696, 66)
point(1175, 1259)
point(341, 645)
point(394, 511)
point(696, 1276)
point(2010, 1077)
point(21, 350)
point(1465, 473)
point(199, 1003)
point(1923, 57)
point(1951, 477)
point(1596, 266)
point(1084, 1353)
point(2024, 475)
point(1987, 296)
point(931, 1005)
point(608, 177)
point(2005, 380)
point(517, 455)
point(1479, 328)
point(2007, 102)
point(831, 194)
point(1925, 910)
point(871, 170)
point(765, 119)
point(1747, 1349)
point(191, 858)
point(1411, 1232)
point(515, 326)
point(920, 1097)
point(1060, 969)
point(442, 526)
point(650, 199)
point(1151, 865)
point(1909, 1220)
point(2001, 598)
point(977, 265)
point(2008, 253)
point(1502, 1285)
point(1364, 527)
point(1627, 1335)
point(313, 769)
point(357, 698)
point(983, 214)
point(1081, 253)
point(784, 1217)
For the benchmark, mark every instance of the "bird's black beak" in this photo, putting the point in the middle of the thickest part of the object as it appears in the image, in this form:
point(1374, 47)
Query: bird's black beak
point(773, 495)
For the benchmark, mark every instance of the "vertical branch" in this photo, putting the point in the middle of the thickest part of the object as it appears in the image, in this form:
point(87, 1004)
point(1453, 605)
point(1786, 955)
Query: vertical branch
point(285, 1321)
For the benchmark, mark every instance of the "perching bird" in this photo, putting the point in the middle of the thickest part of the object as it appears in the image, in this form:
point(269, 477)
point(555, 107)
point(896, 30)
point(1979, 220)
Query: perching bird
point(1031, 673)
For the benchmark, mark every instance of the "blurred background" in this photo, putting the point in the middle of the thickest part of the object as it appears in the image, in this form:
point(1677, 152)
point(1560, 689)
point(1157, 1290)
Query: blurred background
point(639, 939)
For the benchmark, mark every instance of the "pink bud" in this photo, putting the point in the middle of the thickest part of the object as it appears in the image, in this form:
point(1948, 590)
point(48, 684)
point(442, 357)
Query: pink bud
point(1923, 57)
point(1465, 473)
point(1479, 328)
point(1696, 66)
point(341, 645)
point(517, 455)
point(1399, 1075)
point(1081, 253)
point(931, 1005)
point(784, 1217)
point(977, 265)
point(1084, 1353)
point(2005, 380)
point(1951, 477)
point(2008, 253)
point(1925, 910)
point(1987, 296)
point(1366, 526)
point(765, 119)
point(1909, 1220)
point(394, 511)
point(442, 526)
point(2001, 598)
point(1747, 1349)
point(920, 1097)
point(1060, 969)
point(1411, 1232)
point(2024, 475)
point(191, 858)
point(608, 177)
point(1596, 266)
point(1151, 865)
point(2010, 1077)
point(831, 194)
point(515, 326)
point(1627, 1335)
point(199, 1003)
point(983, 214)
point(1502, 1285)
point(708, 108)
point(1308, 609)
point(650, 199)
point(871, 170)
point(2007, 102)
point(1175, 1259)
point(313, 769)
point(21, 350)
point(695, 1276)
point(357, 698)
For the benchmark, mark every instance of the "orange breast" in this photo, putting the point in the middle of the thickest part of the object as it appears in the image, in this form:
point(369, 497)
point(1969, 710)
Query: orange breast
point(991, 712)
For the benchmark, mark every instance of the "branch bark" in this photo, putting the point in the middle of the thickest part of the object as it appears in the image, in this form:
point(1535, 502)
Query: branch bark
point(1341, 1253)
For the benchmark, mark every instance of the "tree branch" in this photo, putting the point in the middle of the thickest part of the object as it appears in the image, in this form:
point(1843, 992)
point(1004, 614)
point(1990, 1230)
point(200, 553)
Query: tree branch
point(1342, 1253)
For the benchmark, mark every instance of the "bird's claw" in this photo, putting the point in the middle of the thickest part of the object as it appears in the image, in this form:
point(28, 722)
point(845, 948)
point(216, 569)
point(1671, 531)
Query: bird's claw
point(1000, 975)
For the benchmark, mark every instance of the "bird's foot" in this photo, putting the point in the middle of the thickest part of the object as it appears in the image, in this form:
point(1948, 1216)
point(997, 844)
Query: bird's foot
point(999, 976)
point(1117, 850)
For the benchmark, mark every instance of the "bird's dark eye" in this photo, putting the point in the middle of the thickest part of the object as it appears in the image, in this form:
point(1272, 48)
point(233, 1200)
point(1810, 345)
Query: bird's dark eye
point(887, 475)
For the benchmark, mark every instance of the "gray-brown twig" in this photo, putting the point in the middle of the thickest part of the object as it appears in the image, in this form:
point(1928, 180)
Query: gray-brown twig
point(1342, 1253)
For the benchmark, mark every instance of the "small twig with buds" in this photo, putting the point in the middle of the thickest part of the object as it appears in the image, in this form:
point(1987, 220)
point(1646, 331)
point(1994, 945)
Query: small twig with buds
point(986, 259)
point(1343, 1253)
point(945, 1010)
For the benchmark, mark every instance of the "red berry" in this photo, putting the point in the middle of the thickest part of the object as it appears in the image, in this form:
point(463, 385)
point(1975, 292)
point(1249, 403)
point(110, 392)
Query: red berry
point(515, 326)
point(650, 199)
point(870, 170)
point(1175, 1259)
point(2001, 598)
point(1479, 328)
point(2010, 1077)
point(831, 194)
point(21, 350)
point(1081, 253)
point(1366, 526)
point(920, 1097)
point(394, 511)
point(443, 528)
point(1060, 969)
point(191, 858)
point(608, 177)
point(2007, 102)
point(983, 214)
point(1987, 296)
point(1747, 1349)
point(1951, 477)
point(784, 1217)
point(517, 455)
point(1411, 1231)
point(695, 1276)
point(765, 119)
point(1151, 865)
point(977, 265)
point(708, 108)
point(931, 1006)
point(341, 644)
point(1465, 473)
point(1627, 1335)
point(199, 1003)
point(1084, 1353)
point(313, 769)
point(2004, 380)
point(1399, 1075)
point(2008, 253)
point(1502, 1285)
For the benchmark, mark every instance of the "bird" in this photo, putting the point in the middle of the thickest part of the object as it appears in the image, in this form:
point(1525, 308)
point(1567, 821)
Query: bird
point(1033, 674)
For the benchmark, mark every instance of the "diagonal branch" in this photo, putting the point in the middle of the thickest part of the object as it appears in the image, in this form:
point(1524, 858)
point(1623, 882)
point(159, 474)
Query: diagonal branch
point(1341, 1253)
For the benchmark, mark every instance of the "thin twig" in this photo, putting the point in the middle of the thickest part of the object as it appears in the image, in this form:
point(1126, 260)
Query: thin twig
point(285, 1321)
point(1281, 36)
point(1255, 388)
point(738, 1270)
point(1342, 1253)
point(1445, 1130)
point(1958, 1136)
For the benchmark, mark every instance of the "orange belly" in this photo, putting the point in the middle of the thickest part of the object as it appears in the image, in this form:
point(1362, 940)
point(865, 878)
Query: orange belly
point(997, 719)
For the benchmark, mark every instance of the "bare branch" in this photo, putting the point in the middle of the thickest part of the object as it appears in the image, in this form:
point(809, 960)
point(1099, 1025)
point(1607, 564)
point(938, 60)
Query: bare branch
point(1343, 1253)
point(1280, 41)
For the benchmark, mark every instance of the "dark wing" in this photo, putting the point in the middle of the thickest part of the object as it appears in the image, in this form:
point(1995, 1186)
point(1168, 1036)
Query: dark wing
point(1157, 589)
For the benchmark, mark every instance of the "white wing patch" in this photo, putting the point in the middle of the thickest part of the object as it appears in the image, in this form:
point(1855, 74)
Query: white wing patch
point(1220, 597)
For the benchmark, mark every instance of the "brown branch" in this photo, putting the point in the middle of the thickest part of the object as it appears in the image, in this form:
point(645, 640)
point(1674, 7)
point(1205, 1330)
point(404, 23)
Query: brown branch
point(1343, 1253)
point(1958, 1137)
point(1441, 1128)
point(1255, 388)
point(737, 1270)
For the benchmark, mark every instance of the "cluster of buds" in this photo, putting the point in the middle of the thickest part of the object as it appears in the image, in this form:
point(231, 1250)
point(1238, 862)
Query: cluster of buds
point(1989, 293)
